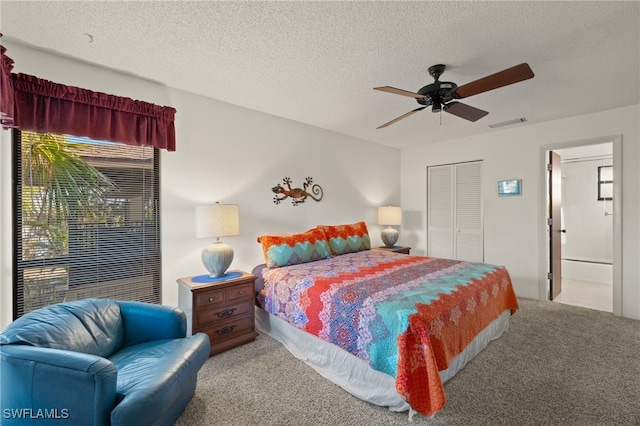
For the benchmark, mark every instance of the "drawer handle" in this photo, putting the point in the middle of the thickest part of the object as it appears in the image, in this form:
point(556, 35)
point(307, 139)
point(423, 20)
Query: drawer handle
point(211, 299)
point(226, 312)
point(226, 330)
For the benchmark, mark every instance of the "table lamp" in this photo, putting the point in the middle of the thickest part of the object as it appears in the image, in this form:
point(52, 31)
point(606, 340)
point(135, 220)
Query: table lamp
point(389, 216)
point(217, 220)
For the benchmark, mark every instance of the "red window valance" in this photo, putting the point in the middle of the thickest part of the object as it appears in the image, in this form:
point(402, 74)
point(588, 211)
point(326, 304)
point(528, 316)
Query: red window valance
point(6, 89)
point(47, 107)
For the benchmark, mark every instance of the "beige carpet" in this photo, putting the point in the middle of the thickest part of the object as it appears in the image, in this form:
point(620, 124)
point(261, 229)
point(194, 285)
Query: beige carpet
point(556, 365)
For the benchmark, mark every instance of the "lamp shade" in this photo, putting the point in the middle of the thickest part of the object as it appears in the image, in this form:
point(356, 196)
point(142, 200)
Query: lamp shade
point(389, 215)
point(217, 220)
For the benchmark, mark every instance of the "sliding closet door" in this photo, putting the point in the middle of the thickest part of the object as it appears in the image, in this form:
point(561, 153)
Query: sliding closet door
point(454, 212)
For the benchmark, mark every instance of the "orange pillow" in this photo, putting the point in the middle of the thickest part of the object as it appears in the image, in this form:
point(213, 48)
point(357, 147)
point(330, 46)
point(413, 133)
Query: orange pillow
point(347, 238)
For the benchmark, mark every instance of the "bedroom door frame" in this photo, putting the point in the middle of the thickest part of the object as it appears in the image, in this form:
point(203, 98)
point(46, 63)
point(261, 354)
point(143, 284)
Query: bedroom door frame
point(554, 183)
point(543, 229)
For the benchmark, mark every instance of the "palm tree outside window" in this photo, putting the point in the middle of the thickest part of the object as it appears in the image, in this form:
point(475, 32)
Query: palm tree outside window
point(87, 222)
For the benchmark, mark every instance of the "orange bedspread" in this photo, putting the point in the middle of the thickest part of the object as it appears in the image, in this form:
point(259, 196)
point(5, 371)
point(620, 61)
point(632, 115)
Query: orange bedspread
point(407, 316)
point(441, 330)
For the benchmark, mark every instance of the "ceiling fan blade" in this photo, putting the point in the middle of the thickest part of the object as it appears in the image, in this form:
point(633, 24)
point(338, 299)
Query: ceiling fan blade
point(464, 111)
point(393, 90)
point(494, 81)
point(395, 120)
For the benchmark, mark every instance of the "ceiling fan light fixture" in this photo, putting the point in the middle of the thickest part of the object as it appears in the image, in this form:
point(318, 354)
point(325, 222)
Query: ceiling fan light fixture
point(443, 95)
point(508, 123)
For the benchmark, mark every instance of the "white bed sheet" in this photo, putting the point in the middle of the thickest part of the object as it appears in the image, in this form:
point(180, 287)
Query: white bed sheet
point(355, 375)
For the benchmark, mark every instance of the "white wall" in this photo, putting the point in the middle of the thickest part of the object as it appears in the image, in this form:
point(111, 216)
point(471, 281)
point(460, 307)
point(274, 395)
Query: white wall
point(512, 224)
point(234, 155)
point(589, 236)
point(228, 154)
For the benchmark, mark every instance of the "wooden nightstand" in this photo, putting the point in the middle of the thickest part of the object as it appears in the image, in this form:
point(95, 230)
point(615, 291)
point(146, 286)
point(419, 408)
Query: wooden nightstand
point(395, 249)
point(223, 309)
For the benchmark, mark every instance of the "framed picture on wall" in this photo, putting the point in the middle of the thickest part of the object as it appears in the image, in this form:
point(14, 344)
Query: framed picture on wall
point(507, 188)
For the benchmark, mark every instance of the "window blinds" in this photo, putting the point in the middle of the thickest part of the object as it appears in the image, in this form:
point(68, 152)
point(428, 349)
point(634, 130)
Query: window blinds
point(87, 221)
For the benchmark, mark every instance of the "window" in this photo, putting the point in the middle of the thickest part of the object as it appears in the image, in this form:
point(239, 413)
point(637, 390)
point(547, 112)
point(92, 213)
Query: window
point(605, 183)
point(87, 224)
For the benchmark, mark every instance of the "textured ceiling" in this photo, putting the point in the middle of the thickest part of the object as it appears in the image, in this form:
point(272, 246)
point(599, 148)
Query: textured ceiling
point(317, 62)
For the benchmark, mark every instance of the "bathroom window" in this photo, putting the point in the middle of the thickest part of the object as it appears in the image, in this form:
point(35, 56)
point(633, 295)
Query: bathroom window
point(605, 183)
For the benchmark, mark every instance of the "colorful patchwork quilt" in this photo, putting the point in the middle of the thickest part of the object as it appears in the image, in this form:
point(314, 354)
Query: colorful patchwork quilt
point(407, 316)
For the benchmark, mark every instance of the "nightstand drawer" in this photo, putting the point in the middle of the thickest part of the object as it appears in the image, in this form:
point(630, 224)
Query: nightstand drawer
point(222, 312)
point(214, 297)
point(207, 298)
point(230, 329)
point(239, 291)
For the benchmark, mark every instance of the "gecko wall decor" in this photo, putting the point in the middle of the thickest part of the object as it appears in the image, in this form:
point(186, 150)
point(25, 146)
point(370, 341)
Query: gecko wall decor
point(297, 195)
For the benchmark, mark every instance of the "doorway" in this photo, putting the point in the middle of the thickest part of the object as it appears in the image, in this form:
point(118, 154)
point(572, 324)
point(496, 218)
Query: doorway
point(586, 245)
point(591, 246)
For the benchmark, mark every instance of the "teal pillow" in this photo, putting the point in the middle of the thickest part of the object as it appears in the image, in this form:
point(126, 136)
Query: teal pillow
point(294, 249)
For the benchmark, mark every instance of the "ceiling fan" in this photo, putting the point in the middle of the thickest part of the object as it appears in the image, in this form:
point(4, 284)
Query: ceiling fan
point(441, 95)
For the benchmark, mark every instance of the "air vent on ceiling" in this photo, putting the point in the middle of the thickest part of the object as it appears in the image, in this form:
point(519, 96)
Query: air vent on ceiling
point(508, 123)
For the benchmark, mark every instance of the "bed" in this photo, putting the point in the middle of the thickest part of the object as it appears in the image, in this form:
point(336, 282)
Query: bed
point(389, 328)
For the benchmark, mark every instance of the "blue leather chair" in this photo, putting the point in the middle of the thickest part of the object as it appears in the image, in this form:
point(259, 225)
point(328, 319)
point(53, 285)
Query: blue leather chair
point(99, 362)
